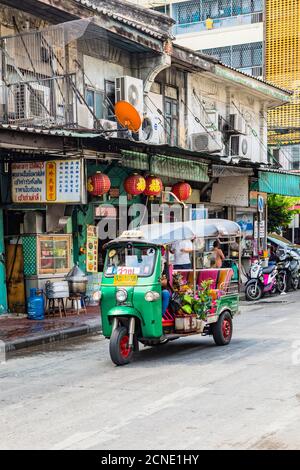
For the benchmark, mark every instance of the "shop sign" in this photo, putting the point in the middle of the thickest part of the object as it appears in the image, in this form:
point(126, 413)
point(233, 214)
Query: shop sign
point(105, 211)
point(255, 229)
point(261, 229)
point(57, 181)
point(231, 191)
point(92, 249)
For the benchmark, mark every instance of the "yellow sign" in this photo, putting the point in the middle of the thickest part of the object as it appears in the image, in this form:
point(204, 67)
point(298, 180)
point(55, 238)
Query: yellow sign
point(51, 181)
point(92, 249)
point(125, 279)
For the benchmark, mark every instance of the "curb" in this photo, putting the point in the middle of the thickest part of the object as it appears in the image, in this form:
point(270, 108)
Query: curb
point(47, 338)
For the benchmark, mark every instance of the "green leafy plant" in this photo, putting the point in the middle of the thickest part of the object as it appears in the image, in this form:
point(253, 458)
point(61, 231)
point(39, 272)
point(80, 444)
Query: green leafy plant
point(280, 213)
point(200, 302)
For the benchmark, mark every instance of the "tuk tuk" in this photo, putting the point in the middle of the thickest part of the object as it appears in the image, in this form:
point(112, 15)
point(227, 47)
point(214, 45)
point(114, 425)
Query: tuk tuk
point(203, 299)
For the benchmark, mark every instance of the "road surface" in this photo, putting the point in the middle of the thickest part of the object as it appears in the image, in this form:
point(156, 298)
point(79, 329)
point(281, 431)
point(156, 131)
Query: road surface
point(188, 394)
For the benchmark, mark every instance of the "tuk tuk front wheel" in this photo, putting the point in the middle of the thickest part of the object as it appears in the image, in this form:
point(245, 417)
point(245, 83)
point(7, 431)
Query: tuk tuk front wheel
point(222, 330)
point(119, 350)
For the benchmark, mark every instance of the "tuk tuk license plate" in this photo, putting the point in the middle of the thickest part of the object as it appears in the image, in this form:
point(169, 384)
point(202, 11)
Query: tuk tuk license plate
point(125, 279)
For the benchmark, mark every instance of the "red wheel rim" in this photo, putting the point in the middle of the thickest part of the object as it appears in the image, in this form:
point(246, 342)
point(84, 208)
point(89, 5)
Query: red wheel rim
point(226, 328)
point(124, 348)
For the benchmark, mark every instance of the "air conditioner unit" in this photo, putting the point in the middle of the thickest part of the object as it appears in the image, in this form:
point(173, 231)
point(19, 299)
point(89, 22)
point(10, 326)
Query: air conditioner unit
point(132, 90)
point(237, 123)
point(240, 146)
point(152, 130)
point(29, 102)
point(207, 142)
point(109, 126)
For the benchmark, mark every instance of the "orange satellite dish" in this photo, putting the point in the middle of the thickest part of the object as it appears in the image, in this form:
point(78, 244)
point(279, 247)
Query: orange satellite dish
point(128, 116)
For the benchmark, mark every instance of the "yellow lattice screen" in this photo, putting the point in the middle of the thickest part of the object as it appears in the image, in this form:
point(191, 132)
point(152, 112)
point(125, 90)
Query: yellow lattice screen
point(283, 66)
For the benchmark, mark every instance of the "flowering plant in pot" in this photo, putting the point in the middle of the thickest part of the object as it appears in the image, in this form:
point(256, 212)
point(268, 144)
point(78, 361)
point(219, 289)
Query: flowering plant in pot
point(199, 303)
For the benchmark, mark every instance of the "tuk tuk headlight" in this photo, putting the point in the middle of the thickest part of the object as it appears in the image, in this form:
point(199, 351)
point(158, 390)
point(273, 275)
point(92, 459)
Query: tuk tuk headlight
point(152, 296)
point(97, 295)
point(121, 295)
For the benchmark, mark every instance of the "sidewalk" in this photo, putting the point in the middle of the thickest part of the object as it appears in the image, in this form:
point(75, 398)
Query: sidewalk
point(17, 332)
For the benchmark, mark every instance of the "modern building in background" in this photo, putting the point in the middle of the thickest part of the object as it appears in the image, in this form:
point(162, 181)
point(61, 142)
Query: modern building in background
point(282, 67)
point(258, 37)
point(231, 30)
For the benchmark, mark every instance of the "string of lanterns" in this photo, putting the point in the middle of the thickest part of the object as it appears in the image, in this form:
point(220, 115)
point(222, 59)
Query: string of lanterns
point(135, 185)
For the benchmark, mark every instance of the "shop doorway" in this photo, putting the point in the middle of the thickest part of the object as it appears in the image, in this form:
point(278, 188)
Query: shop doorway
point(15, 281)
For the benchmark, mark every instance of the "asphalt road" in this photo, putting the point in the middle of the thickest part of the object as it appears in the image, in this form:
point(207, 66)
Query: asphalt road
point(188, 394)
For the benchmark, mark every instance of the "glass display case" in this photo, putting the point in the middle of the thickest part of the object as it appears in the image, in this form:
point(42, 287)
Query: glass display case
point(53, 254)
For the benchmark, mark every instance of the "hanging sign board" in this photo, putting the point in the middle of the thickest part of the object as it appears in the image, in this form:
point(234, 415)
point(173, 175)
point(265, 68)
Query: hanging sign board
point(92, 249)
point(58, 181)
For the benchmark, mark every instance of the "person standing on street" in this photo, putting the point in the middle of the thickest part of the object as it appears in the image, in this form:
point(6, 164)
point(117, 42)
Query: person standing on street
point(217, 255)
point(181, 250)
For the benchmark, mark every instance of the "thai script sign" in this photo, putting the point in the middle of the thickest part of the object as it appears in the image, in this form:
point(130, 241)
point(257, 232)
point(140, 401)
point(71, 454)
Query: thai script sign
point(57, 181)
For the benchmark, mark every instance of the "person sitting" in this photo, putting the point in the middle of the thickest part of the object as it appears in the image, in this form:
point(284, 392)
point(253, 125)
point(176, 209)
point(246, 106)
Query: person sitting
point(165, 293)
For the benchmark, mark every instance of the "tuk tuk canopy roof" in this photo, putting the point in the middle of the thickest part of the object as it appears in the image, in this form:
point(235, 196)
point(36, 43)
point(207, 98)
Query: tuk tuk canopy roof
point(167, 233)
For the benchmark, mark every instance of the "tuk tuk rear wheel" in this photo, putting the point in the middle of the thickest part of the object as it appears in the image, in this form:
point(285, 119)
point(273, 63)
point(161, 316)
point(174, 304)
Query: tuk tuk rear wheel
point(119, 350)
point(222, 330)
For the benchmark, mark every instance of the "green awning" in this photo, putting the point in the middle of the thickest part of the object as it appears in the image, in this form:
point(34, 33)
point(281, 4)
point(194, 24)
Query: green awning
point(285, 184)
point(161, 165)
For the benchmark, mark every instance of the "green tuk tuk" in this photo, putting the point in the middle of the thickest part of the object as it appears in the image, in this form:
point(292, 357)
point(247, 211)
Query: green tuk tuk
point(131, 289)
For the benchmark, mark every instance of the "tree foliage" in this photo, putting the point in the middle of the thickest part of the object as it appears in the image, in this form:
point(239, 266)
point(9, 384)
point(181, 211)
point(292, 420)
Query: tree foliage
point(280, 214)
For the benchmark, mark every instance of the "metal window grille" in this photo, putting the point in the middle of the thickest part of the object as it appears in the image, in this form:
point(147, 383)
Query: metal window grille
point(197, 10)
point(245, 57)
point(38, 77)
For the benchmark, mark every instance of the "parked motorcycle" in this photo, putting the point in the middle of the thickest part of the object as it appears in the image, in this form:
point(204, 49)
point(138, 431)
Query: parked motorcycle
point(260, 281)
point(288, 270)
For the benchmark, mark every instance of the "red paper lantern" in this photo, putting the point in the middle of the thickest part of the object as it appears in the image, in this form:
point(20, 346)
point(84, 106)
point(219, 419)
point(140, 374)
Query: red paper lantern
point(98, 184)
point(154, 186)
point(135, 184)
point(182, 191)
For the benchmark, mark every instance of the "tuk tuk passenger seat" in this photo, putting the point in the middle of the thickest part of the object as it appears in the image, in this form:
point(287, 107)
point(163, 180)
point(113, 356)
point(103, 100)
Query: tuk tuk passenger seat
point(225, 276)
point(206, 274)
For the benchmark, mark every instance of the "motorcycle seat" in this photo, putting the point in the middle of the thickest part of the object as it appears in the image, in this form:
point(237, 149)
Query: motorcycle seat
point(268, 270)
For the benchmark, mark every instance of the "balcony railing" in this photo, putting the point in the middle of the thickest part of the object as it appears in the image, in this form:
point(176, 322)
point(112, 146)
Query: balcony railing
point(255, 71)
point(51, 102)
point(196, 27)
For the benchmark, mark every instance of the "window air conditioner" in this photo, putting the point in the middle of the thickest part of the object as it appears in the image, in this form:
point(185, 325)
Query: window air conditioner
point(207, 142)
point(152, 130)
point(240, 146)
point(132, 90)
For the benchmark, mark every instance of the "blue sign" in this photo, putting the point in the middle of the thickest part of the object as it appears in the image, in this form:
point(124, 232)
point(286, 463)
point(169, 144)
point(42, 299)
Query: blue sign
point(260, 203)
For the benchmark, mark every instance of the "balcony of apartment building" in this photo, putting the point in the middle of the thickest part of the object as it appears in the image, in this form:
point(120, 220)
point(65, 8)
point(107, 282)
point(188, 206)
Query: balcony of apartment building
point(247, 58)
point(37, 88)
point(197, 16)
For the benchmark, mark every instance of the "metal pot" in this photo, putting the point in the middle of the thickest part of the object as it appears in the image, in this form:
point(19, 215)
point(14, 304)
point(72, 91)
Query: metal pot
point(77, 281)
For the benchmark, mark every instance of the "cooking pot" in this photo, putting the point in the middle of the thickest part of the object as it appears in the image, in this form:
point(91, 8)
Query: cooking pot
point(77, 280)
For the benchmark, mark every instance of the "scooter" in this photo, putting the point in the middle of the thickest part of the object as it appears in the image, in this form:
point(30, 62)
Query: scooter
point(260, 281)
point(288, 271)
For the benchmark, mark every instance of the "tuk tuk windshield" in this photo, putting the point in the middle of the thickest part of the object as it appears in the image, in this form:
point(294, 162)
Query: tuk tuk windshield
point(139, 260)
